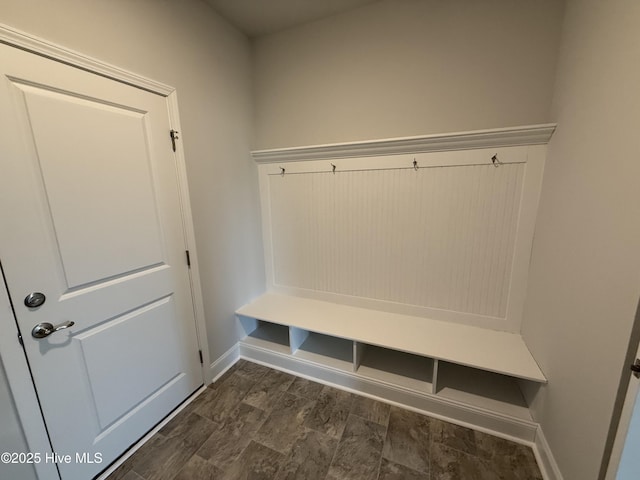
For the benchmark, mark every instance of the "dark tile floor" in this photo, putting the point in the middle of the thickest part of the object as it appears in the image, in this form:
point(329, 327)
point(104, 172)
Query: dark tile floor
point(259, 423)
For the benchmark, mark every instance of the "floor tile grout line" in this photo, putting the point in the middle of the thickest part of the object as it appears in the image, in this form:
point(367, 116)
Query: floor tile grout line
point(335, 450)
point(386, 433)
point(380, 459)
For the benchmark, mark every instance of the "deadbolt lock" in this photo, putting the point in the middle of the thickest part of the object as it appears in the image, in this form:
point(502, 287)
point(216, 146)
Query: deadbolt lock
point(34, 300)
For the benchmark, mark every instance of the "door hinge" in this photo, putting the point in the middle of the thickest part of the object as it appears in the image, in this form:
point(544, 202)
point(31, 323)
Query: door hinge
point(635, 368)
point(20, 340)
point(174, 137)
point(188, 258)
point(200, 353)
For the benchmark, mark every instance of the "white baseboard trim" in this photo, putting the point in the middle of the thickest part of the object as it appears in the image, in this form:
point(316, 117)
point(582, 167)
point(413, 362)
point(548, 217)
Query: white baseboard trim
point(546, 461)
point(223, 363)
point(503, 426)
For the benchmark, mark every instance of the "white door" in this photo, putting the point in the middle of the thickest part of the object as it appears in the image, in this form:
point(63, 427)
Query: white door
point(90, 217)
point(625, 460)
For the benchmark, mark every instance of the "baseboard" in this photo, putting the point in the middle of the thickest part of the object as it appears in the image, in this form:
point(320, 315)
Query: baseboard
point(223, 363)
point(545, 458)
point(504, 426)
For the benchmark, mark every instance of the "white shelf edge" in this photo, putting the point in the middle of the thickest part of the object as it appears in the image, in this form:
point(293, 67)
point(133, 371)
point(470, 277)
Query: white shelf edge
point(497, 137)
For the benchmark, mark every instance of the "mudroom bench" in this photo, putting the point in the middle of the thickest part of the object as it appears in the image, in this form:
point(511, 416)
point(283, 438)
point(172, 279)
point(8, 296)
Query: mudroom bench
point(465, 373)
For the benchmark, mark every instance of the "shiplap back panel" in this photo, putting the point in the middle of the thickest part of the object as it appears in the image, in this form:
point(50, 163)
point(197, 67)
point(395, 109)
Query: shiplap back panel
point(436, 237)
point(449, 242)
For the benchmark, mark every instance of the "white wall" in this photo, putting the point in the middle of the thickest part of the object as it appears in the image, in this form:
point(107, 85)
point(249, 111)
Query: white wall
point(407, 67)
point(185, 44)
point(585, 271)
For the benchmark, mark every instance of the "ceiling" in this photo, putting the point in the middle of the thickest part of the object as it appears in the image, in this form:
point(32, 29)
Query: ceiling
point(260, 17)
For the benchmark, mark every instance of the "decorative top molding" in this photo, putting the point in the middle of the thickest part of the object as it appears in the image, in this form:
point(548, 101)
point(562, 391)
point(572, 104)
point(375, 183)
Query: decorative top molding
point(39, 46)
point(499, 137)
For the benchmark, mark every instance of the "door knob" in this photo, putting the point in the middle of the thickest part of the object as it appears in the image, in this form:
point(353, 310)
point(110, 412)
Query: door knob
point(45, 329)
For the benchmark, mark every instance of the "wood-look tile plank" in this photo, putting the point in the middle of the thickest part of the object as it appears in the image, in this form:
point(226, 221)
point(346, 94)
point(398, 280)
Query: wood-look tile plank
point(407, 441)
point(454, 436)
point(284, 425)
point(145, 454)
point(305, 388)
point(252, 371)
point(131, 475)
point(122, 471)
point(266, 393)
point(227, 442)
point(230, 371)
point(394, 471)
point(310, 457)
point(225, 398)
point(489, 446)
point(202, 398)
point(182, 424)
point(358, 454)
point(450, 464)
point(166, 456)
point(371, 410)
point(509, 460)
point(199, 469)
point(257, 462)
point(331, 411)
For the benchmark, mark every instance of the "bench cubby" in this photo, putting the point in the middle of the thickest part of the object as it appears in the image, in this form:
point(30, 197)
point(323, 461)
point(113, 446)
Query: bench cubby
point(461, 372)
point(326, 350)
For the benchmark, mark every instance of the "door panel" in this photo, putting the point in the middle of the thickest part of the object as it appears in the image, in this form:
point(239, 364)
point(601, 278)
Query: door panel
point(114, 228)
point(90, 216)
point(140, 368)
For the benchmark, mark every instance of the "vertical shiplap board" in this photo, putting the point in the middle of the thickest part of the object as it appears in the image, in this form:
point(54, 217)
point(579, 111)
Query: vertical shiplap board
point(440, 239)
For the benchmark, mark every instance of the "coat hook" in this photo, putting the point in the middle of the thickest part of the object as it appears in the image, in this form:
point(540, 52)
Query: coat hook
point(282, 171)
point(415, 164)
point(333, 168)
point(495, 161)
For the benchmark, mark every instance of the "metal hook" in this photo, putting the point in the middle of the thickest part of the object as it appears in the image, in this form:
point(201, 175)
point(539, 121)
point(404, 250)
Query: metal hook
point(415, 164)
point(495, 161)
point(333, 168)
point(282, 171)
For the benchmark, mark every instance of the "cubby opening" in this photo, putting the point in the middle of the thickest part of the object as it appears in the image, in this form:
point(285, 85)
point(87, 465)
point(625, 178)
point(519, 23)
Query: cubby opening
point(330, 351)
point(268, 335)
point(395, 367)
point(493, 391)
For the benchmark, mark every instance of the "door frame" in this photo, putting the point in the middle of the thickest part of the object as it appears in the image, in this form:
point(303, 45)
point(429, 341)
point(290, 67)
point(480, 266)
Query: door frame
point(13, 355)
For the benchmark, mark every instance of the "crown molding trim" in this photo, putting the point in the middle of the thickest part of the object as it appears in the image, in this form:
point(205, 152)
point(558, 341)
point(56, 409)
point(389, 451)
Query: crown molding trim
point(44, 48)
point(499, 137)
